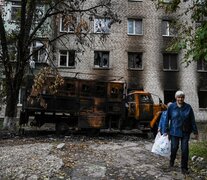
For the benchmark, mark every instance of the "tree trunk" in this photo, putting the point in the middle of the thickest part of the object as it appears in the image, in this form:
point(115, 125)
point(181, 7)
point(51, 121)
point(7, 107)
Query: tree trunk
point(11, 112)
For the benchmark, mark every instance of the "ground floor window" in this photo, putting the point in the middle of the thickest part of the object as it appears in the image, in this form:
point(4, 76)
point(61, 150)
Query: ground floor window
point(202, 98)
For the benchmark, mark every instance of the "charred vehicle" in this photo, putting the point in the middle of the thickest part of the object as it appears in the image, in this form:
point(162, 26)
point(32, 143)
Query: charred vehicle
point(92, 105)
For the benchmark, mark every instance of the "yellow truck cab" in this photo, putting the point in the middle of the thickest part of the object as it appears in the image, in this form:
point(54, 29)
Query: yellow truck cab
point(143, 113)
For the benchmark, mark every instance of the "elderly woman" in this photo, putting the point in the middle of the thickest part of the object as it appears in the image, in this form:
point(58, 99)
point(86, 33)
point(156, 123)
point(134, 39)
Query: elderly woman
point(181, 121)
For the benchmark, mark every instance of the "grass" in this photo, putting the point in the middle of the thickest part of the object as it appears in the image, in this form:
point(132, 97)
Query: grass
point(199, 149)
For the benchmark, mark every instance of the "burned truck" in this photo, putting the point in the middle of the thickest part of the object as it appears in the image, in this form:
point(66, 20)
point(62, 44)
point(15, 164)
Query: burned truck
point(92, 105)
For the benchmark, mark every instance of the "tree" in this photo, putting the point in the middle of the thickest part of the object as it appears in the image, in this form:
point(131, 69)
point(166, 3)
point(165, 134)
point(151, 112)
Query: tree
point(192, 27)
point(31, 25)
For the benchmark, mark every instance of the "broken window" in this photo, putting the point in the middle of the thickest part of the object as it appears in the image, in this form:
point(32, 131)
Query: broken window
point(168, 28)
point(202, 98)
point(101, 59)
point(170, 61)
point(102, 25)
point(135, 26)
point(134, 60)
point(39, 52)
point(202, 65)
point(67, 58)
point(39, 13)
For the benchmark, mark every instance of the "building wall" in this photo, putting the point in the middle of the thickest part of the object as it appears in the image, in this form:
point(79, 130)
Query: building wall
point(152, 44)
point(151, 78)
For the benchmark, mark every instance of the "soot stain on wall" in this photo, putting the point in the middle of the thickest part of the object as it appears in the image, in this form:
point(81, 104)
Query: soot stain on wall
point(170, 80)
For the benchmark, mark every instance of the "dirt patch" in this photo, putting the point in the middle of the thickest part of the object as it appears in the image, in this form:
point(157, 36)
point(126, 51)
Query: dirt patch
point(115, 156)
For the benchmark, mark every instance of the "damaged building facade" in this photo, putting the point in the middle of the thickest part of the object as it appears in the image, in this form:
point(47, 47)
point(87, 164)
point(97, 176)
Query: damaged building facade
point(133, 51)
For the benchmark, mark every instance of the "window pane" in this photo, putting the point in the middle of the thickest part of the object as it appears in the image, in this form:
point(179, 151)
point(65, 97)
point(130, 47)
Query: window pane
point(63, 24)
point(63, 58)
point(71, 58)
point(67, 23)
point(204, 65)
point(165, 61)
point(101, 25)
point(173, 61)
point(138, 27)
point(199, 65)
point(130, 26)
point(164, 27)
point(202, 96)
point(134, 60)
point(105, 59)
point(15, 13)
point(101, 59)
point(170, 61)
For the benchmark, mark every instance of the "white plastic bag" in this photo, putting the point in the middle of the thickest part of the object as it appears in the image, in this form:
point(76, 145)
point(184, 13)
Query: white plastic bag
point(162, 145)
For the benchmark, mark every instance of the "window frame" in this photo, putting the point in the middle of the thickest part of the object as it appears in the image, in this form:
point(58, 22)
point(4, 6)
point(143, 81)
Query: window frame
point(70, 28)
point(169, 61)
point(67, 56)
point(106, 24)
point(168, 31)
point(140, 54)
point(134, 26)
point(13, 16)
point(203, 65)
point(101, 63)
point(202, 103)
point(37, 50)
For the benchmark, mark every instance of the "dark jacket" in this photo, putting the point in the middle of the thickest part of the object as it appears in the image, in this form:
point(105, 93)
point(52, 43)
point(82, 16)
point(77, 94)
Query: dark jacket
point(182, 120)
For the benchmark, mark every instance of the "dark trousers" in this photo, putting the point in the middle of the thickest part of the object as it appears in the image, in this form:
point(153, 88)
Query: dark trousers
point(184, 150)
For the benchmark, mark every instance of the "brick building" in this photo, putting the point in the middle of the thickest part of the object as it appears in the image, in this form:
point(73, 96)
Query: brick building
point(134, 52)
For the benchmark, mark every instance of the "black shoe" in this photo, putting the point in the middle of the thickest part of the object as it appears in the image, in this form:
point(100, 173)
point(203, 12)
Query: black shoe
point(185, 171)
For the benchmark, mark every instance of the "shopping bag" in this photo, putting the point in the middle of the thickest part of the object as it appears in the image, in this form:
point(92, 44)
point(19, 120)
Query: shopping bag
point(162, 146)
point(155, 146)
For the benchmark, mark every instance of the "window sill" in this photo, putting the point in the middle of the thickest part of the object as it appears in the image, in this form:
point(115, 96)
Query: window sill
point(66, 67)
point(135, 0)
point(135, 34)
point(202, 71)
point(203, 109)
point(168, 36)
point(105, 33)
point(101, 68)
point(170, 70)
point(135, 69)
point(69, 32)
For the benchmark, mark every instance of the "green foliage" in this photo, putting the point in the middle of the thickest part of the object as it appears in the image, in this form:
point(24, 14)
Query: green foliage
point(190, 37)
point(199, 149)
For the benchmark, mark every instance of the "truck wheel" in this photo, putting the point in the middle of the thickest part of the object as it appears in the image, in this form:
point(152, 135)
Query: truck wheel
point(61, 128)
point(93, 132)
